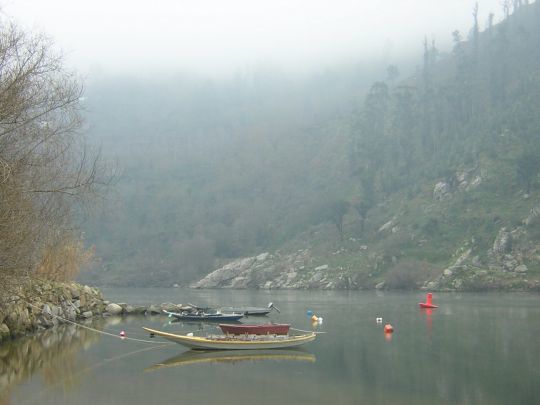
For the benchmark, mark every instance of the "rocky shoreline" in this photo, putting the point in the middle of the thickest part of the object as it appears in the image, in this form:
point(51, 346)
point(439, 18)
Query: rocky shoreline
point(35, 305)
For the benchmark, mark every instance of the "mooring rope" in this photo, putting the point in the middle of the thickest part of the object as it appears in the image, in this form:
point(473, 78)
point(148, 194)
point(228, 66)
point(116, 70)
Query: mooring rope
point(26, 301)
point(306, 331)
point(39, 396)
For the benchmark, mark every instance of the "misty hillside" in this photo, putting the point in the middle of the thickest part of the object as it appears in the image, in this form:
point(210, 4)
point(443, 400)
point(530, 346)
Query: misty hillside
point(394, 183)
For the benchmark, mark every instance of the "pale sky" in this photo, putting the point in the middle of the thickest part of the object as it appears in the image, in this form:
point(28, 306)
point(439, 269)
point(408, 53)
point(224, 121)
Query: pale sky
point(219, 36)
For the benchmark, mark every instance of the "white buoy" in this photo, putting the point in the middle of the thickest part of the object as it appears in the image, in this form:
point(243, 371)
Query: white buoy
point(379, 320)
point(320, 319)
point(190, 334)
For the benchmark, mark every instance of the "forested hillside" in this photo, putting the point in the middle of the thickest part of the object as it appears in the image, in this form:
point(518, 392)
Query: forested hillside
point(214, 170)
point(428, 178)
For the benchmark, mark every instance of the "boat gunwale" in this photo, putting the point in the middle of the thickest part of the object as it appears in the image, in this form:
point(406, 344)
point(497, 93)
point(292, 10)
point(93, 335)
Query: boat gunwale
point(233, 341)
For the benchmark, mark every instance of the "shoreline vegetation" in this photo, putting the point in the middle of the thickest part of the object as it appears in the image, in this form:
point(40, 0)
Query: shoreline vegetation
point(48, 175)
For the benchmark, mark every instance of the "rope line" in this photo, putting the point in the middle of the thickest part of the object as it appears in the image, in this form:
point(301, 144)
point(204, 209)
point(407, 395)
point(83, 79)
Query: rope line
point(39, 396)
point(306, 331)
point(93, 329)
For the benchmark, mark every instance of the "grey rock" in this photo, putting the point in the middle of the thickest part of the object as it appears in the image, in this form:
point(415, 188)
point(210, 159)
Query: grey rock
point(386, 226)
point(503, 242)
point(533, 215)
point(139, 310)
point(87, 314)
point(509, 263)
point(441, 191)
point(4, 331)
point(521, 269)
point(476, 261)
point(169, 306)
point(153, 310)
point(262, 257)
point(113, 309)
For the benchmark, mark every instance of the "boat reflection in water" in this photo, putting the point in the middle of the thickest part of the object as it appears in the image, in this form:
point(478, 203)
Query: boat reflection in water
point(51, 353)
point(228, 356)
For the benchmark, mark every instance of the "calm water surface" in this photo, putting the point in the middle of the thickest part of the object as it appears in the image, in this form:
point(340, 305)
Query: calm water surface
point(474, 349)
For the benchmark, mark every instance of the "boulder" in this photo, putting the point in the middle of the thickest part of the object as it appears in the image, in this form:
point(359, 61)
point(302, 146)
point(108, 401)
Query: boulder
point(4, 331)
point(509, 263)
point(139, 309)
point(521, 269)
point(153, 310)
point(441, 191)
point(113, 309)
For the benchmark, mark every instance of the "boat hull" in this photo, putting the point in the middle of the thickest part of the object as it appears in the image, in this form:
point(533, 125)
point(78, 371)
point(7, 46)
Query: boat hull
point(249, 311)
point(425, 305)
point(205, 317)
point(226, 343)
point(256, 329)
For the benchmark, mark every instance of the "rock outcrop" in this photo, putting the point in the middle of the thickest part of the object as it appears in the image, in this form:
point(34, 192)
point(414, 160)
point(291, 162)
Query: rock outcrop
point(503, 265)
point(275, 271)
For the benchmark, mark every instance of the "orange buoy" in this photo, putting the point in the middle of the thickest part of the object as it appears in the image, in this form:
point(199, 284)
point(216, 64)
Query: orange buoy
point(388, 328)
point(314, 318)
point(428, 303)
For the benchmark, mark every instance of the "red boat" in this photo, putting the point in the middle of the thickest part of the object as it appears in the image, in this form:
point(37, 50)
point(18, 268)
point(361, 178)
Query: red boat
point(256, 329)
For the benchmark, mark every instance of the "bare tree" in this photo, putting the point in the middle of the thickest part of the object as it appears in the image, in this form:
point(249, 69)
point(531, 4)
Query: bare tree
point(44, 164)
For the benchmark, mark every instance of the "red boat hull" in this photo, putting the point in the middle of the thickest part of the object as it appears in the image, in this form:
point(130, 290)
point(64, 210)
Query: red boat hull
point(256, 329)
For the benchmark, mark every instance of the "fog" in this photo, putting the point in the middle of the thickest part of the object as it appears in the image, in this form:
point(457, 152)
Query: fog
point(215, 37)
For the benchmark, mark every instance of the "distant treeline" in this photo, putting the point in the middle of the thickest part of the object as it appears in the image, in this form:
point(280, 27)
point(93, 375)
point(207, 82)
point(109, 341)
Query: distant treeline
point(482, 98)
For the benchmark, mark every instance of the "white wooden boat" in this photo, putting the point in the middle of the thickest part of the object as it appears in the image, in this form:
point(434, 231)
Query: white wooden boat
point(243, 342)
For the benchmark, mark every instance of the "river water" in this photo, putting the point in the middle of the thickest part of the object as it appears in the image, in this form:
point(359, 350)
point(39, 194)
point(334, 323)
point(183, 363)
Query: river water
point(473, 349)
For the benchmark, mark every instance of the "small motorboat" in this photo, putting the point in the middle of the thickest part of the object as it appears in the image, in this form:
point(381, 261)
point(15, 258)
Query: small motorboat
point(238, 342)
point(256, 329)
point(252, 311)
point(204, 316)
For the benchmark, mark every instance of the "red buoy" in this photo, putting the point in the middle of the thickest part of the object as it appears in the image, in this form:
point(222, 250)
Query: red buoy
point(122, 333)
point(388, 328)
point(428, 303)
